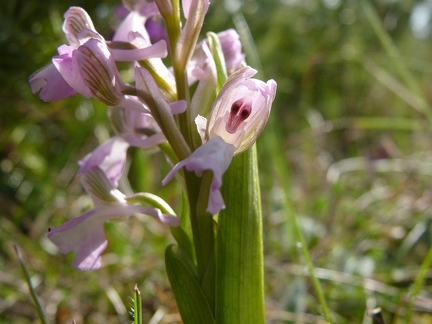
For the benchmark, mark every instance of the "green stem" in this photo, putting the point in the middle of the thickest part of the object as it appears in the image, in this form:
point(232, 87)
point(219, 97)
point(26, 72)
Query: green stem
point(169, 152)
point(170, 11)
point(185, 119)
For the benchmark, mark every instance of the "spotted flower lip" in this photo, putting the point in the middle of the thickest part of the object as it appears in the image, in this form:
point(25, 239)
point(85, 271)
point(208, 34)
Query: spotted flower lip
point(241, 109)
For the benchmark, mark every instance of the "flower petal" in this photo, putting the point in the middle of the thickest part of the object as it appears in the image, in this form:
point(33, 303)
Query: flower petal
point(205, 93)
point(186, 7)
point(99, 71)
point(138, 129)
point(178, 107)
point(132, 103)
point(53, 86)
point(69, 70)
point(214, 155)
point(135, 20)
point(76, 20)
point(85, 234)
point(100, 188)
point(110, 156)
point(158, 50)
point(201, 123)
point(231, 47)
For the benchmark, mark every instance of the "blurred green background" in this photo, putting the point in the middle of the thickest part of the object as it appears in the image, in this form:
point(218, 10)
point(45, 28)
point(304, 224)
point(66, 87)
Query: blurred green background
point(348, 149)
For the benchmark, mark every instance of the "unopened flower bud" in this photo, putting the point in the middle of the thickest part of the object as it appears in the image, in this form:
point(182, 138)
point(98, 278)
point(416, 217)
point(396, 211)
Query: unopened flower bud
point(241, 109)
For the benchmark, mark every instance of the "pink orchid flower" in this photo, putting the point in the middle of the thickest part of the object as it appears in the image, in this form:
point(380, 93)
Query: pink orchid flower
point(87, 64)
point(236, 119)
point(84, 235)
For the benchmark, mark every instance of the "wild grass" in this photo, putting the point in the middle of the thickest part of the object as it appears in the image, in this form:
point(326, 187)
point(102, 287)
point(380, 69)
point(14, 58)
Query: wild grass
point(345, 161)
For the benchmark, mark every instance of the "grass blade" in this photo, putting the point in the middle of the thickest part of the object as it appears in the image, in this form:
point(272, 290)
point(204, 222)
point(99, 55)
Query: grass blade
point(31, 289)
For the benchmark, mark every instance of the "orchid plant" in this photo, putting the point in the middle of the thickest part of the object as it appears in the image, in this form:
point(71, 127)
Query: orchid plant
point(204, 112)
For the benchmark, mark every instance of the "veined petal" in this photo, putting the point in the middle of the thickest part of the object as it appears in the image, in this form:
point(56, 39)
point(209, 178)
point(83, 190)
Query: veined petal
point(99, 72)
point(76, 20)
point(214, 155)
point(85, 234)
point(100, 189)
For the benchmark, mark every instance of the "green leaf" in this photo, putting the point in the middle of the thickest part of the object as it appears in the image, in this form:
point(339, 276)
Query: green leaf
point(239, 252)
point(191, 301)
